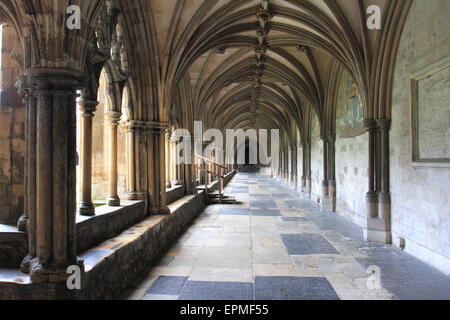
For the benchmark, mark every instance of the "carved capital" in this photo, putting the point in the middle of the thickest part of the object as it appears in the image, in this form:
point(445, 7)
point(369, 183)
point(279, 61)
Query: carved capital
point(369, 124)
point(113, 117)
point(133, 125)
point(87, 107)
point(45, 81)
point(157, 127)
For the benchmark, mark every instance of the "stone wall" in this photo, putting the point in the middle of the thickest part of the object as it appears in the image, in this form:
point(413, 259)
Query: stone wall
point(351, 152)
point(12, 135)
point(420, 194)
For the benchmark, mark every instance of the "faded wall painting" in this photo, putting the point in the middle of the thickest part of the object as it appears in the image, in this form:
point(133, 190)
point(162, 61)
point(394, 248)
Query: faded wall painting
point(349, 113)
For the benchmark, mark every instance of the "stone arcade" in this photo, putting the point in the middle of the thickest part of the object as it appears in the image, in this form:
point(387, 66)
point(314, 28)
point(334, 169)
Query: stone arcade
point(89, 116)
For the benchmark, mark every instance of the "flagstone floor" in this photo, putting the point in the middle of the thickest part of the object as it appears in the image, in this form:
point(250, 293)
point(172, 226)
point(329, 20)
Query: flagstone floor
point(273, 245)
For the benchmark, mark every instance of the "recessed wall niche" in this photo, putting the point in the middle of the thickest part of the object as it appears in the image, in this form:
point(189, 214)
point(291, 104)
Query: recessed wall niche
point(430, 112)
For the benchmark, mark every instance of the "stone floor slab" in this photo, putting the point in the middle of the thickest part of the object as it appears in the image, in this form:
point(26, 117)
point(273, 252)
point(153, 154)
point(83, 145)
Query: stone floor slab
point(301, 244)
point(293, 288)
point(198, 290)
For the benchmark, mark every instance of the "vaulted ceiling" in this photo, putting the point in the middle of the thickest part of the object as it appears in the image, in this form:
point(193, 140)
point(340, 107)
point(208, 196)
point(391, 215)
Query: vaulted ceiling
point(261, 63)
point(238, 63)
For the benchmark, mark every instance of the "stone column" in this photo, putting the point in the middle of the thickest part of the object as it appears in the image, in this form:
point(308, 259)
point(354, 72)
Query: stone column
point(303, 186)
point(371, 196)
point(30, 103)
point(384, 196)
point(286, 165)
point(156, 147)
point(332, 172)
point(378, 227)
point(51, 188)
point(191, 182)
point(131, 130)
point(87, 108)
point(293, 167)
point(329, 198)
point(112, 118)
point(324, 198)
point(168, 162)
point(27, 223)
point(175, 170)
point(307, 163)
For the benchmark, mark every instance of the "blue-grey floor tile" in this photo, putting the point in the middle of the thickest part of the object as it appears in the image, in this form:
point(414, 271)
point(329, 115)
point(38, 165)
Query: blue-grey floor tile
point(407, 277)
point(303, 244)
point(200, 290)
point(293, 288)
point(234, 211)
point(283, 196)
point(263, 204)
point(265, 213)
point(167, 285)
point(294, 219)
point(238, 191)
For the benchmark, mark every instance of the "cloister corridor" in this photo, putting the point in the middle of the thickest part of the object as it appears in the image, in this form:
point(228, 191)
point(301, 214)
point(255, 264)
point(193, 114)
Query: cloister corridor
point(272, 245)
point(224, 150)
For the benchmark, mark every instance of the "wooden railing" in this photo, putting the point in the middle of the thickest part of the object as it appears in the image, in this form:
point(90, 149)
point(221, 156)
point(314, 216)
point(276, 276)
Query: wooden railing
point(207, 169)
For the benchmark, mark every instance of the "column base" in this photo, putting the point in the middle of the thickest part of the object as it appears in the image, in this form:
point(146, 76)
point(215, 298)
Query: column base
point(86, 209)
point(378, 230)
point(325, 202)
point(159, 211)
point(371, 205)
point(51, 274)
point(22, 223)
point(136, 196)
point(378, 236)
point(328, 204)
point(384, 206)
point(113, 201)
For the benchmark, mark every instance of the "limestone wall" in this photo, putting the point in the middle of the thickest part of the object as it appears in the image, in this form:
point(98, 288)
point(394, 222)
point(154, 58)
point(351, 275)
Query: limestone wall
point(351, 177)
point(12, 135)
point(351, 152)
point(420, 195)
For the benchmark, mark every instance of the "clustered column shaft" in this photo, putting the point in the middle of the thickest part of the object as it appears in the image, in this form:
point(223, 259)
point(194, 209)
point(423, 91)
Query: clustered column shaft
point(378, 200)
point(87, 108)
point(51, 194)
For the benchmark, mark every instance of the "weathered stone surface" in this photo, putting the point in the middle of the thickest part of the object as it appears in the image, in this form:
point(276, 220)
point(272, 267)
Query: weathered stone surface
point(13, 247)
point(107, 223)
point(420, 195)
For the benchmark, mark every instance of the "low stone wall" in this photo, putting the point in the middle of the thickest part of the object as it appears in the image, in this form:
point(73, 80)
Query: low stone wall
point(108, 223)
point(108, 279)
point(173, 194)
point(13, 247)
point(111, 266)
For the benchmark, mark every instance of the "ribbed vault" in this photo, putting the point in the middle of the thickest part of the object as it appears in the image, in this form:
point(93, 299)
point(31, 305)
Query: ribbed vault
point(265, 63)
